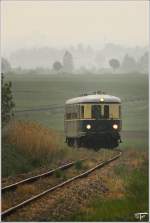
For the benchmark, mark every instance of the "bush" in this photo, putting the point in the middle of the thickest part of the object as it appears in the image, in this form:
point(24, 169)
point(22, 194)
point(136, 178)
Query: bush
point(7, 102)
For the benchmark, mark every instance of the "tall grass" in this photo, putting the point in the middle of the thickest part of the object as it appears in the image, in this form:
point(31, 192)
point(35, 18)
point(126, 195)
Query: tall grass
point(28, 145)
point(32, 138)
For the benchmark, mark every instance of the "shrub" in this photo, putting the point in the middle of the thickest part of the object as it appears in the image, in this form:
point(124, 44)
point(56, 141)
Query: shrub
point(78, 165)
point(7, 101)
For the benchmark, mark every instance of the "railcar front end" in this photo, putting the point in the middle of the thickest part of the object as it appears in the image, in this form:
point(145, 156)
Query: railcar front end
point(93, 121)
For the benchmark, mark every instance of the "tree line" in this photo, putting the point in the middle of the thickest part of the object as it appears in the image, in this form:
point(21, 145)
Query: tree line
point(128, 64)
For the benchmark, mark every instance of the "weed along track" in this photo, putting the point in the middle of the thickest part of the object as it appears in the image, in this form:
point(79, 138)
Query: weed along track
point(17, 195)
point(18, 192)
point(34, 178)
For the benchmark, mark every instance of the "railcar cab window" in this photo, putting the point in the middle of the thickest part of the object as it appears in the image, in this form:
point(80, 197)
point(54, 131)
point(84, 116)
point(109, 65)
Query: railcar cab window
point(72, 112)
point(96, 112)
point(93, 111)
point(100, 111)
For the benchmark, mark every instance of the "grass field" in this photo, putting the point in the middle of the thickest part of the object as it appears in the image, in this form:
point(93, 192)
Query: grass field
point(34, 142)
point(41, 91)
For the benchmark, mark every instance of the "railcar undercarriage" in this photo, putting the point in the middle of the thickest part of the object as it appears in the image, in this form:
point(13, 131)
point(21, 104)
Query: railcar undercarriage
point(97, 141)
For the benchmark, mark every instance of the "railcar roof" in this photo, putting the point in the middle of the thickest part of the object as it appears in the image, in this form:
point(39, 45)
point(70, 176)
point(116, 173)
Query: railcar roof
point(94, 99)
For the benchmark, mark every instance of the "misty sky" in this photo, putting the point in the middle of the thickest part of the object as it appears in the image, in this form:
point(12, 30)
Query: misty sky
point(62, 23)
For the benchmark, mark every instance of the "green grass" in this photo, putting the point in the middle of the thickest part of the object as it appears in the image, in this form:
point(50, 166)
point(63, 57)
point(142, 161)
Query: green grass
point(78, 165)
point(135, 143)
point(120, 170)
point(122, 209)
point(14, 161)
point(37, 91)
point(60, 174)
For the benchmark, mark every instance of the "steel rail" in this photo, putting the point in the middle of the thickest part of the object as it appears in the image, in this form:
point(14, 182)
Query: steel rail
point(31, 179)
point(100, 165)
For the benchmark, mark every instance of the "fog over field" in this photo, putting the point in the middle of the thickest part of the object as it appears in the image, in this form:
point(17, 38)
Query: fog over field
point(83, 55)
point(36, 34)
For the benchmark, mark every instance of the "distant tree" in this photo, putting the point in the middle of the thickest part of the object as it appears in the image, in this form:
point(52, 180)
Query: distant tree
point(7, 103)
point(129, 64)
point(57, 66)
point(5, 66)
point(143, 62)
point(68, 62)
point(114, 63)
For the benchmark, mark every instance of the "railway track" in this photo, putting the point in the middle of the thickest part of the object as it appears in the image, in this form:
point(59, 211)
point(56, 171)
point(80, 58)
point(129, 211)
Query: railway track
point(34, 178)
point(14, 208)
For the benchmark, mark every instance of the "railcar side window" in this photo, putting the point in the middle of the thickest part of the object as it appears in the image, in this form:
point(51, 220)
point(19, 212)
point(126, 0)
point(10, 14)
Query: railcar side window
point(106, 111)
point(81, 111)
point(87, 111)
point(119, 111)
point(96, 111)
point(114, 111)
point(68, 116)
point(73, 115)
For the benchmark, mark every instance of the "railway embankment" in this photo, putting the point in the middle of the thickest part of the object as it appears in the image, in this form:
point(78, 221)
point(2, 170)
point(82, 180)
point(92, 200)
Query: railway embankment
point(114, 188)
point(91, 197)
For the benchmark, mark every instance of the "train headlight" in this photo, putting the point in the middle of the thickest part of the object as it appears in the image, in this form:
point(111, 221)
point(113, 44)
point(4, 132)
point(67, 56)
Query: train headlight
point(101, 99)
point(115, 126)
point(88, 126)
